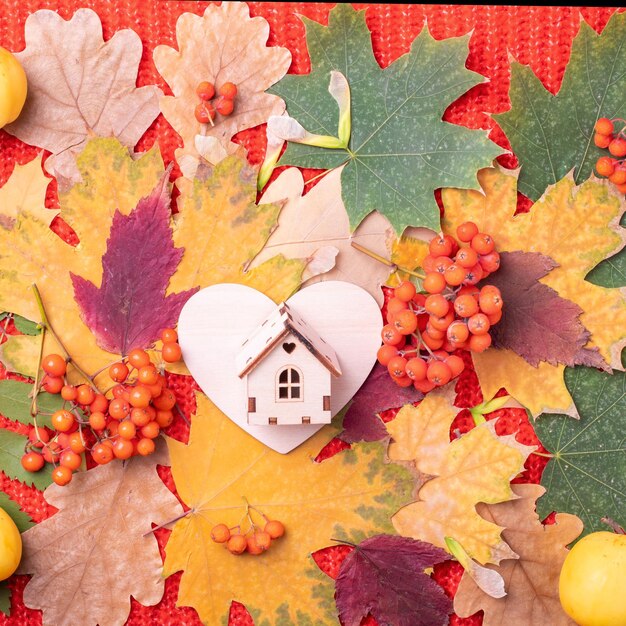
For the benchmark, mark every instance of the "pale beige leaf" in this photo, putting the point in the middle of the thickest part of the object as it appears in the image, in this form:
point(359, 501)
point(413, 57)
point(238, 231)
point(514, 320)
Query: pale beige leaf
point(317, 220)
point(223, 45)
point(532, 581)
point(91, 556)
point(80, 86)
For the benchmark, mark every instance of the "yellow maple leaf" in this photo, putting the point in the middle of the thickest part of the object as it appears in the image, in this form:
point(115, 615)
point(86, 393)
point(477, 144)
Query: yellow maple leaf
point(407, 252)
point(222, 229)
point(578, 227)
point(113, 181)
point(348, 496)
point(477, 467)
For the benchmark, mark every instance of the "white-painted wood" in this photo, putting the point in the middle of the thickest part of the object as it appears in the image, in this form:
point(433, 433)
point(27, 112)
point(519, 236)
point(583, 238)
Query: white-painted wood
point(215, 322)
point(271, 332)
point(314, 383)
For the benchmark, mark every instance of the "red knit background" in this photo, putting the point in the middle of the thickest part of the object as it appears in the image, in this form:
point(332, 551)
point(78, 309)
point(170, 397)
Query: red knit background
point(540, 37)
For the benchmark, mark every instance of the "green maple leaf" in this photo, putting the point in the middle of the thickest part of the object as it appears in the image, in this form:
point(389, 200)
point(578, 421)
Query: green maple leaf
point(587, 472)
point(551, 135)
point(400, 150)
point(612, 271)
point(11, 452)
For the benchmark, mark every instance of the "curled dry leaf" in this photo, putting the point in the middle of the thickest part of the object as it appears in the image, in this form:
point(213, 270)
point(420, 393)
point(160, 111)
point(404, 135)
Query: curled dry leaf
point(319, 220)
point(224, 45)
point(477, 467)
point(577, 226)
point(80, 86)
point(532, 580)
point(86, 576)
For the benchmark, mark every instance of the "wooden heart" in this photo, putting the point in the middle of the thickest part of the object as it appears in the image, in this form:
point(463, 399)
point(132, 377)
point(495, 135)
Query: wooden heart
point(216, 321)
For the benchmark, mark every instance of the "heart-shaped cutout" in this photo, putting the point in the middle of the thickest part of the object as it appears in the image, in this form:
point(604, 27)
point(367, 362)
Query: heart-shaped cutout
point(216, 321)
point(289, 347)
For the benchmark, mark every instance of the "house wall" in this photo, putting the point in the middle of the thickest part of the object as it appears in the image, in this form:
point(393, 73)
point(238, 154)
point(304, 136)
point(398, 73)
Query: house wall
point(316, 383)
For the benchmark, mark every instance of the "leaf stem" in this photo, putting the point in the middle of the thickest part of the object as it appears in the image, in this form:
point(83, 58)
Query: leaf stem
point(46, 325)
point(546, 455)
point(344, 542)
point(614, 525)
point(33, 404)
point(171, 521)
point(385, 261)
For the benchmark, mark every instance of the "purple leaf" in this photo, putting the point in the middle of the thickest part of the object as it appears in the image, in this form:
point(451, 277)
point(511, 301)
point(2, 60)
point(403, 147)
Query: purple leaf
point(384, 576)
point(378, 393)
point(537, 323)
point(130, 308)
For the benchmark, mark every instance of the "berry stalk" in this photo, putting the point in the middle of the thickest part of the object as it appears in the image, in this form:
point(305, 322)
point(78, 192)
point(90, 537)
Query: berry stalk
point(46, 325)
point(385, 261)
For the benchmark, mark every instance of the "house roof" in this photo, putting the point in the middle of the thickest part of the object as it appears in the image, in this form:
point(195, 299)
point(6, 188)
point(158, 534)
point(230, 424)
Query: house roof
point(280, 323)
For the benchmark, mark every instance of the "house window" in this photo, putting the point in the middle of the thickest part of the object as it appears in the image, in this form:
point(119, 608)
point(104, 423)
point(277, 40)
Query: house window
point(289, 384)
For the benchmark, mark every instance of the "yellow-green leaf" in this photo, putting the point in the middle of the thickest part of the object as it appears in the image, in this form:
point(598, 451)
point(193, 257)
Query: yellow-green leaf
point(578, 227)
point(349, 496)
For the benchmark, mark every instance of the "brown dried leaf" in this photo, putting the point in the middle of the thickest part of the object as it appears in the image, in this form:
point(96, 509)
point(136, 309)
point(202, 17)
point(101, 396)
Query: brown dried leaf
point(88, 558)
point(224, 45)
point(532, 581)
point(80, 87)
point(318, 220)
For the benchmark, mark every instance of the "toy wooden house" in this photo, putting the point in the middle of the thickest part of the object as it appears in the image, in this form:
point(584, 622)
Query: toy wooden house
point(288, 369)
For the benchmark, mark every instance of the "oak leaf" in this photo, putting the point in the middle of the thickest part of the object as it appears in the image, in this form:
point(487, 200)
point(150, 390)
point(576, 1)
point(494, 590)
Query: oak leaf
point(384, 576)
point(223, 45)
point(577, 227)
point(93, 554)
point(79, 87)
point(378, 393)
point(349, 497)
point(130, 308)
point(532, 580)
point(477, 467)
point(319, 219)
point(537, 323)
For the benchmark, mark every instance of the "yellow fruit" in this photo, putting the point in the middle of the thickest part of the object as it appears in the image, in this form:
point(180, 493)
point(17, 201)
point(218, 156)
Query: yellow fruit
point(12, 87)
point(10, 545)
point(591, 586)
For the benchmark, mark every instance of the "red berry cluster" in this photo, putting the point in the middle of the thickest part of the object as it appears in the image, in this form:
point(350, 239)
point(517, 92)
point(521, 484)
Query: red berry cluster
point(121, 426)
point(606, 137)
point(255, 541)
point(450, 313)
point(209, 105)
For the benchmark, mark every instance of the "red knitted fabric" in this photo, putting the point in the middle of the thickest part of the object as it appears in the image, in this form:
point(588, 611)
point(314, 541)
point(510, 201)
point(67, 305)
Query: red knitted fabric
point(538, 36)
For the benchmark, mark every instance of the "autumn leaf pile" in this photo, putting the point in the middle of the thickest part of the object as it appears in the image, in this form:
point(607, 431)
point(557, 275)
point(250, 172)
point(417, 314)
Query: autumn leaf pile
point(407, 482)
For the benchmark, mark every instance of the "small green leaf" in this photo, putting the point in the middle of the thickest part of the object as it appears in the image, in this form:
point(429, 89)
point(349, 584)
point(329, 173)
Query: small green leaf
point(5, 598)
point(26, 327)
point(11, 452)
point(551, 135)
point(586, 475)
point(611, 272)
point(12, 509)
point(15, 402)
